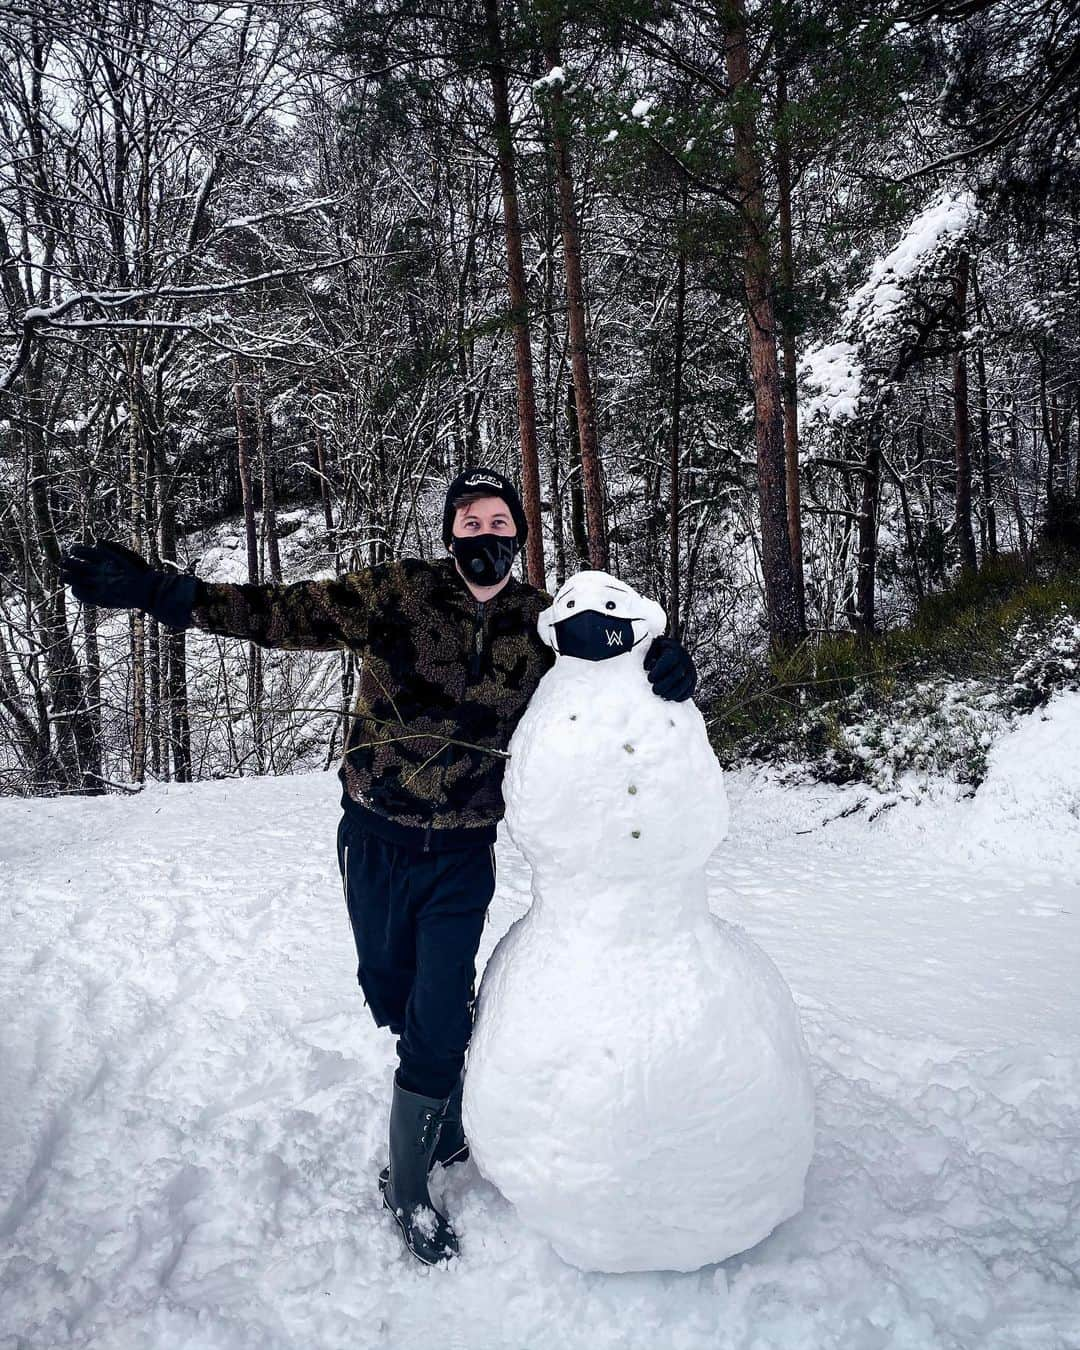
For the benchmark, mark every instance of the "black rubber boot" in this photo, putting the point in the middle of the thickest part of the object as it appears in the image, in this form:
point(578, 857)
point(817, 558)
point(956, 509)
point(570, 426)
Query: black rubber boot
point(414, 1133)
point(452, 1147)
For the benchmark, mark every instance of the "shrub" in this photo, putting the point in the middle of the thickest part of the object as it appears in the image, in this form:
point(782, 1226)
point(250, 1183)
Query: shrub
point(1048, 650)
point(927, 698)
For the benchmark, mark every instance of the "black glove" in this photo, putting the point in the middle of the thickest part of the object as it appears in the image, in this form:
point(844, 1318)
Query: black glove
point(110, 575)
point(670, 669)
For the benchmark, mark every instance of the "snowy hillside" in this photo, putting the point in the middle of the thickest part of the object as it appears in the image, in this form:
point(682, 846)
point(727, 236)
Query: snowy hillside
point(194, 1099)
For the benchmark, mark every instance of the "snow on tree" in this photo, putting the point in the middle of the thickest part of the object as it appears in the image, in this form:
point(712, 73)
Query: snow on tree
point(888, 320)
point(909, 308)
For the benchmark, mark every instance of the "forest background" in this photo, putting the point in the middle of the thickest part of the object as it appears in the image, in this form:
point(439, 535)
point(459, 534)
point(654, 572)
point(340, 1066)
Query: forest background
point(771, 309)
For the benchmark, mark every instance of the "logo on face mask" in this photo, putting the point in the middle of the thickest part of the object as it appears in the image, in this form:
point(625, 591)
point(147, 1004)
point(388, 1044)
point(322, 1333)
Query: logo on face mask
point(485, 559)
point(591, 636)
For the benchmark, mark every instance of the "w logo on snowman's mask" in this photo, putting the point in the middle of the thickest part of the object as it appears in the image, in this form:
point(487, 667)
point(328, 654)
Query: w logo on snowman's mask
point(594, 637)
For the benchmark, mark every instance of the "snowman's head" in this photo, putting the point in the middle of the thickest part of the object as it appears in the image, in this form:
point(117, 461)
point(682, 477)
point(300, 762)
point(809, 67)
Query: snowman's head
point(594, 617)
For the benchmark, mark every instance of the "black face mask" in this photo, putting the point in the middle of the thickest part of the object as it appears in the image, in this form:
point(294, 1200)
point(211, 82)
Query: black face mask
point(593, 636)
point(485, 558)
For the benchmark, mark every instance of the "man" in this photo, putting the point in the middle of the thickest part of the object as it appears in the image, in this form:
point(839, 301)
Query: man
point(450, 659)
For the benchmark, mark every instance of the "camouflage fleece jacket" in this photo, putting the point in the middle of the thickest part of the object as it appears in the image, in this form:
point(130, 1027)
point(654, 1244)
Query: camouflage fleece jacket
point(443, 681)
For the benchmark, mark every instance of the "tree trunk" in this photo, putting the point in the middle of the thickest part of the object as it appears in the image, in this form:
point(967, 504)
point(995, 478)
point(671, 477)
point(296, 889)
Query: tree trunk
point(577, 492)
point(1076, 488)
point(269, 501)
point(93, 689)
point(1049, 439)
point(64, 729)
point(91, 651)
point(1065, 446)
point(1055, 438)
point(552, 380)
point(179, 724)
point(585, 407)
point(243, 461)
point(675, 448)
point(909, 532)
point(789, 384)
point(324, 485)
point(174, 644)
point(781, 603)
point(155, 656)
point(862, 615)
point(965, 538)
point(137, 620)
point(519, 302)
point(928, 478)
point(155, 690)
point(1014, 474)
point(989, 513)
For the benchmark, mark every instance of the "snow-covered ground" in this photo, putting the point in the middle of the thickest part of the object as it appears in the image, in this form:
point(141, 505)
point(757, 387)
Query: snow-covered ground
point(194, 1101)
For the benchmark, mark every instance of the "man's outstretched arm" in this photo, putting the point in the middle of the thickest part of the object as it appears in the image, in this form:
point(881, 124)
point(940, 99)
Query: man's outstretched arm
point(312, 615)
point(306, 615)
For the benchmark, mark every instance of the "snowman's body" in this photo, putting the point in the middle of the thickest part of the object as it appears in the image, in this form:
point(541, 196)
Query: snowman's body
point(637, 1084)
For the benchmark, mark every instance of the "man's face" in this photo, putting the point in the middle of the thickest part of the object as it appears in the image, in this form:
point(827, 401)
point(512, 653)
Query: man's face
point(486, 515)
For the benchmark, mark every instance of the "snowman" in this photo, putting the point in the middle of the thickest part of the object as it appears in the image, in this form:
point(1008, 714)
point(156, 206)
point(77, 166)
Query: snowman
point(638, 1084)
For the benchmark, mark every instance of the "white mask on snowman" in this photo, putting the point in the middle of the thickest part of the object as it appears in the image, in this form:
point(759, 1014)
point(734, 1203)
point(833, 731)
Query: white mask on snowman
point(595, 617)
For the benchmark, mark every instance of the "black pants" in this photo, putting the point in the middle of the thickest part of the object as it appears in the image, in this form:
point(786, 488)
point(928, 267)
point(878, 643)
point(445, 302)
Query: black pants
point(417, 919)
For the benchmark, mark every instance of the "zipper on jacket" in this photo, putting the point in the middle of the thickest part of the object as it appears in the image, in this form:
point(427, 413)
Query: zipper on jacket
point(478, 639)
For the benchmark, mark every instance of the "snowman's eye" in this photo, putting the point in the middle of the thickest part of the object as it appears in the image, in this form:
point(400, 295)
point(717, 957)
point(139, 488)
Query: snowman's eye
point(569, 604)
point(610, 604)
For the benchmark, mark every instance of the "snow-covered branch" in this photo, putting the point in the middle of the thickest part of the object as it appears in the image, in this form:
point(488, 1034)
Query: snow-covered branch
point(40, 319)
point(844, 377)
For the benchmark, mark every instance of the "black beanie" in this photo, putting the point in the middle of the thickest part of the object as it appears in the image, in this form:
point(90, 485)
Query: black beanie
point(492, 484)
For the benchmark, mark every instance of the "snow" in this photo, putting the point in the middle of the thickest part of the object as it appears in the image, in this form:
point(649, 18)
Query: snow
point(556, 76)
point(641, 107)
point(1030, 797)
point(940, 226)
point(834, 372)
point(690, 1034)
point(195, 1101)
point(74, 425)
